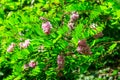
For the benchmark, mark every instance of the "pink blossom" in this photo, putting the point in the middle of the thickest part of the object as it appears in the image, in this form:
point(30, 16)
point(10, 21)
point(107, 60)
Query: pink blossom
point(79, 49)
point(32, 64)
point(74, 16)
point(71, 25)
point(24, 44)
point(60, 61)
point(83, 48)
point(82, 43)
point(11, 47)
point(46, 27)
point(27, 41)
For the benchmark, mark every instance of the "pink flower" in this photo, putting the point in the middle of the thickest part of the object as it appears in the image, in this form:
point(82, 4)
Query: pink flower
point(24, 44)
point(74, 16)
point(72, 20)
point(60, 61)
point(11, 47)
point(71, 25)
point(79, 49)
point(27, 41)
point(46, 27)
point(83, 48)
point(82, 43)
point(32, 64)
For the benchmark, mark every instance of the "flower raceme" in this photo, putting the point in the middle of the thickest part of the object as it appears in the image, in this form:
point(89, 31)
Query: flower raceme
point(11, 47)
point(83, 48)
point(74, 16)
point(46, 26)
point(60, 61)
point(24, 44)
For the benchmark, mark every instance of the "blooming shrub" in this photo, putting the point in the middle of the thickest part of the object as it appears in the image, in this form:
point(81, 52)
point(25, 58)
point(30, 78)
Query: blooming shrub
point(54, 39)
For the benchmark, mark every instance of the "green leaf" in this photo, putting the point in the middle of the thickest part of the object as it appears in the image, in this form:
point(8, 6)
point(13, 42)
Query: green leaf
point(111, 48)
point(115, 72)
point(55, 40)
point(1, 73)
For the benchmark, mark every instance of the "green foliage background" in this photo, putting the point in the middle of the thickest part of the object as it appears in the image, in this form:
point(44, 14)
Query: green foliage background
point(19, 19)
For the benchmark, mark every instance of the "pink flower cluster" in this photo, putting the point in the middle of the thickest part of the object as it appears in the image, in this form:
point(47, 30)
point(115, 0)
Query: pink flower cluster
point(83, 48)
point(46, 26)
point(74, 16)
point(31, 64)
point(60, 61)
point(11, 47)
point(72, 20)
point(24, 44)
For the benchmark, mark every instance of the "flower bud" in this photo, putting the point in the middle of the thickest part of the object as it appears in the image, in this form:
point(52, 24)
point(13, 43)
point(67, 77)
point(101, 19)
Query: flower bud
point(46, 27)
point(11, 47)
